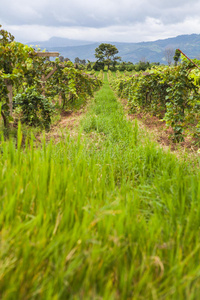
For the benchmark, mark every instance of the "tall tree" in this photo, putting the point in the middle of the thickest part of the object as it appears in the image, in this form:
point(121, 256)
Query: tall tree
point(106, 54)
point(169, 53)
point(77, 60)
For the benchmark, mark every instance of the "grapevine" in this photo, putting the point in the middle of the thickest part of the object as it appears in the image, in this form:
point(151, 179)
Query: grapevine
point(172, 93)
point(22, 70)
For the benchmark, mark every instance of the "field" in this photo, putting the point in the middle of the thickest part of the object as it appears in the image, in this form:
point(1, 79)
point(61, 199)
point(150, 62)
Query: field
point(104, 213)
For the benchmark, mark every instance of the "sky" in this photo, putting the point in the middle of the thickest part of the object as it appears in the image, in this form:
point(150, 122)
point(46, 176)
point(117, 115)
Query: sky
point(102, 20)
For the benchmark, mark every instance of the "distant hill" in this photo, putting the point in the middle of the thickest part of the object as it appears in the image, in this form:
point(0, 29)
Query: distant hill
point(58, 42)
point(133, 52)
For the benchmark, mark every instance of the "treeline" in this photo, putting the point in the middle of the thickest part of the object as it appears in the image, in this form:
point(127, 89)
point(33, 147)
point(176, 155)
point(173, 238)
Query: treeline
point(81, 64)
point(108, 59)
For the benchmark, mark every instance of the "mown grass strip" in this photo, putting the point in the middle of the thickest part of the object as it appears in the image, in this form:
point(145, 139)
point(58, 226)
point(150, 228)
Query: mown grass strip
point(107, 216)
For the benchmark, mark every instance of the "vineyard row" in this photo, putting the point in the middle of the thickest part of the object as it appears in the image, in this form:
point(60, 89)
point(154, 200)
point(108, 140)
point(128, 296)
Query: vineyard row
point(171, 93)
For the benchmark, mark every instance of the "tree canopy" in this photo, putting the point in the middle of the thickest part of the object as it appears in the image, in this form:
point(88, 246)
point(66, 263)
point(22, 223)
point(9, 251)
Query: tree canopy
point(106, 54)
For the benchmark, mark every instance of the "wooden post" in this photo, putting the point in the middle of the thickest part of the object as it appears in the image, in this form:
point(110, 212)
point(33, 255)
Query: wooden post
point(10, 96)
point(43, 85)
point(47, 54)
point(189, 59)
point(45, 78)
point(60, 99)
point(50, 74)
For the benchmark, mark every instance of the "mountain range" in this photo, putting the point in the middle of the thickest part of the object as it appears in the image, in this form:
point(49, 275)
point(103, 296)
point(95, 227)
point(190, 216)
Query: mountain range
point(134, 52)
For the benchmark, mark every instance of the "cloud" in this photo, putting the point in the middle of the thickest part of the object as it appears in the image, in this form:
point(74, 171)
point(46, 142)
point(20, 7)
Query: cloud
point(90, 13)
point(130, 20)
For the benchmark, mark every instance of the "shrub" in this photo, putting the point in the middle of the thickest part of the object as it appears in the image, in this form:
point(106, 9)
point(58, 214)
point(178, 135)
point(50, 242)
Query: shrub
point(36, 109)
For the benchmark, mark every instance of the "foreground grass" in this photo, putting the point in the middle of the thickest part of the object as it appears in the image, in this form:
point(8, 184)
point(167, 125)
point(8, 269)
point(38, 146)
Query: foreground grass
point(104, 216)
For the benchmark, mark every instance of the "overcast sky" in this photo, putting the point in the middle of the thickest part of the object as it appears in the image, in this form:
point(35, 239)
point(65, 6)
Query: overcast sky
point(100, 20)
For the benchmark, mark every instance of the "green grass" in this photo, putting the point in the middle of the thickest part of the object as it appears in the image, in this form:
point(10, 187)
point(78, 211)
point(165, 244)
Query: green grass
point(108, 215)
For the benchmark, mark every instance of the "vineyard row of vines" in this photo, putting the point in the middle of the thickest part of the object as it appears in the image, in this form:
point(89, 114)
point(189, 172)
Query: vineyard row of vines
point(171, 93)
point(34, 91)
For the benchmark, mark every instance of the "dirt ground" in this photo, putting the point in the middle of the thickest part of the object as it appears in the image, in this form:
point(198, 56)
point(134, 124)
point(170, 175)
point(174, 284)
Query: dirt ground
point(70, 120)
point(161, 133)
point(67, 125)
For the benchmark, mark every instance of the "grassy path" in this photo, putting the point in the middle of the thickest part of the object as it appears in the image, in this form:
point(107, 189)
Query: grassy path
point(107, 216)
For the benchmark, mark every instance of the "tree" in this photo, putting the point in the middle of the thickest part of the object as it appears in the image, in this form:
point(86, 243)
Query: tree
point(105, 54)
point(169, 53)
point(177, 56)
point(83, 62)
point(61, 58)
point(142, 66)
point(77, 60)
point(98, 65)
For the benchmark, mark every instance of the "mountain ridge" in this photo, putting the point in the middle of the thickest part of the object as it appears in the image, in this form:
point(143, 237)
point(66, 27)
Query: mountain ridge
point(152, 51)
point(62, 42)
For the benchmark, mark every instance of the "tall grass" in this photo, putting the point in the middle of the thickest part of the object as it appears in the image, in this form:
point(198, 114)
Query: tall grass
point(108, 215)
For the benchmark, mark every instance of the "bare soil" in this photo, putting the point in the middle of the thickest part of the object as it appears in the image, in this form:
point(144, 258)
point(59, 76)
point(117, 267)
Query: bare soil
point(161, 133)
point(70, 120)
point(67, 125)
